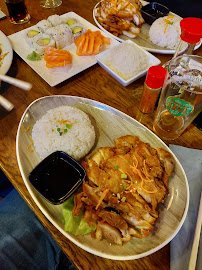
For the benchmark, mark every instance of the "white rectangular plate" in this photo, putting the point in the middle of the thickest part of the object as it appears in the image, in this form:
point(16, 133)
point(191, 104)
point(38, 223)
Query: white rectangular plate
point(79, 63)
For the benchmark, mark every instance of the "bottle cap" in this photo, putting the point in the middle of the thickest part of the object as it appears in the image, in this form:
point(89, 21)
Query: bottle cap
point(191, 29)
point(155, 77)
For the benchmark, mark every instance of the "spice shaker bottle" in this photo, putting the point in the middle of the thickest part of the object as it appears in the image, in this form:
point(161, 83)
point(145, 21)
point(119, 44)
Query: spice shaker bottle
point(152, 88)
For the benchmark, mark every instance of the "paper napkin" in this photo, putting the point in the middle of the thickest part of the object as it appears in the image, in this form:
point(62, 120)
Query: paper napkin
point(181, 245)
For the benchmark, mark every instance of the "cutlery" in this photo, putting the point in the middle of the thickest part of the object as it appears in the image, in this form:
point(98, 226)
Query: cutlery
point(21, 84)
point(193, 257)
point(6, 104)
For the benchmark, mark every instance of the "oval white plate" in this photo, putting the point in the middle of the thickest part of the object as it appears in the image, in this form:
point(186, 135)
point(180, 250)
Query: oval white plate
point(109, 124)
point(6, 47)
point(143, 39)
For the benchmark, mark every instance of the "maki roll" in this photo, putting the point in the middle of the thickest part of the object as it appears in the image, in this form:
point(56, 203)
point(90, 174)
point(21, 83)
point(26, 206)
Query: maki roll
point(77, 30)
point(43, 25)
point(69, 21)
point(30, 34)
point(40, 42)
point(55, 20)
point(62, 34)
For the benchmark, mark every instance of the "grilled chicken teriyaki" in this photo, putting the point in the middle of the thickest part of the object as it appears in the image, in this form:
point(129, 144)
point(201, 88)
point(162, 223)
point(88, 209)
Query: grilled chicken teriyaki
point(124, 185)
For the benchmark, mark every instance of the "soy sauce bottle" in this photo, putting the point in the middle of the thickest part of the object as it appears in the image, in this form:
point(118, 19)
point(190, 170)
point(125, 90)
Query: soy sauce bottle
point(191, 33)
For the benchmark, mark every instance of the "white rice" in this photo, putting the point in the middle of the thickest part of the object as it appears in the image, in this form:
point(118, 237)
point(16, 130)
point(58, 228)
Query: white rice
point(126, 60)
point(166, 35)
point(77, 141)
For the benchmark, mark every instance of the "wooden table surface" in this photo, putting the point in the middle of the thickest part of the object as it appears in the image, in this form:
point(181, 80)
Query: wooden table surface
point(93, 83)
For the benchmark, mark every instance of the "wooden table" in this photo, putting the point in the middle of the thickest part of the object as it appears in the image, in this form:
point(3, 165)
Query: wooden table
point(93, 83)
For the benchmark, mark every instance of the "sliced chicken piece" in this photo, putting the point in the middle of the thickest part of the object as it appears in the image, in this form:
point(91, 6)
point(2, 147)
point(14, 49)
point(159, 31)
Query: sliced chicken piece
point(106, 152)
point(91, 194)
point(137, 18)
point(102, 154)
point(97, 158)
point(126, 237)
point(78, 204)
point(134, 30)
point(132, 232)
point(98, 233)
point(113, 219)
point(90, 216)
point(167, 160)
point(127, 140)
point(125, 14)
point(119, 149)
point(110, 232)
point(130, 34)
point(138, 223)
point(102, 178)
point(140, 208)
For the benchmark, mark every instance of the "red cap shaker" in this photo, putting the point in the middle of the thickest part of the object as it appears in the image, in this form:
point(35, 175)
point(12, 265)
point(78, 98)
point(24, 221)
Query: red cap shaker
point(152, 87)
point(155, 77)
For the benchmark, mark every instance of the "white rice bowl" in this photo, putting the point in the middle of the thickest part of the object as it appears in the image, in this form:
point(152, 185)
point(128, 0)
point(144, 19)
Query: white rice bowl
point(126, 60)
point(76, 141)
point(166, 35)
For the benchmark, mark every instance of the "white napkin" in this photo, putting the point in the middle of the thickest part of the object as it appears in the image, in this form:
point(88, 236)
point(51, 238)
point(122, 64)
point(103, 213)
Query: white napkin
point(181, 245)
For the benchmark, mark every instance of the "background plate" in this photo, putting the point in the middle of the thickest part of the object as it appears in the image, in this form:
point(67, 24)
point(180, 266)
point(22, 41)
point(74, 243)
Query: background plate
point(143, 39)
point(106, 120)
point(6, 47)
point(79, 63)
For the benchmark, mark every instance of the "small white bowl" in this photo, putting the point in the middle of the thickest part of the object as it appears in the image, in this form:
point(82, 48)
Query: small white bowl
point(152, 61)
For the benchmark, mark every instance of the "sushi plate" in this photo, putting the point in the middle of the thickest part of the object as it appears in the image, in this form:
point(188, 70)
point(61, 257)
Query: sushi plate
point(143, 39)
point(54, 77)
point(5, 46)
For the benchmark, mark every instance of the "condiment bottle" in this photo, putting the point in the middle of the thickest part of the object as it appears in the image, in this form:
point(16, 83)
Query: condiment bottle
point(152, 87)
point(191, 33)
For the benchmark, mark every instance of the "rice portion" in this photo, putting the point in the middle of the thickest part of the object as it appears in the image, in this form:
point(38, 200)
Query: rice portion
point(126, 60)
point(165, 32)
point(64, 128)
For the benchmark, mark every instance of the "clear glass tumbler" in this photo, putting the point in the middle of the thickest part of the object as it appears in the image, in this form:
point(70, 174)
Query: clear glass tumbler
point(181, 97)
point(50, 3)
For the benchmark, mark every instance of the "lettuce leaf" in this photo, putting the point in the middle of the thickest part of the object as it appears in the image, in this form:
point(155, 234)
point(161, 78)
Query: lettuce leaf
point(75, 225)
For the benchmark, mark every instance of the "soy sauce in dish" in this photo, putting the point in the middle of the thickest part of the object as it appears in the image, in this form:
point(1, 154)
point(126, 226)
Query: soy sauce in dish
point(57, 177)
point(155, 13)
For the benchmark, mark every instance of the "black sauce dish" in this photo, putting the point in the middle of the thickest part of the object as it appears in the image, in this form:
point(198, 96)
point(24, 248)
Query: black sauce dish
point(57, 177)
point(153, 11)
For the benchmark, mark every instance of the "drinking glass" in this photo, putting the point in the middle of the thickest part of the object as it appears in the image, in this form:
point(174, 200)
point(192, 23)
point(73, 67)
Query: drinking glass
point(50, 3)
point(181, 97)
point(17, 11)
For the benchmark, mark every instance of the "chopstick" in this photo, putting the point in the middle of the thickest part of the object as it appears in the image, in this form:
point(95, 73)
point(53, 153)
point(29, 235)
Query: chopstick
point(21, 84)
point(6, 104)
point(193, 257)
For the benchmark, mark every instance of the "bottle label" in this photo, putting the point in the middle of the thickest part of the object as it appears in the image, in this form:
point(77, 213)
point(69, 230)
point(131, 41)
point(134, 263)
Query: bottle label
point(178, 107)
